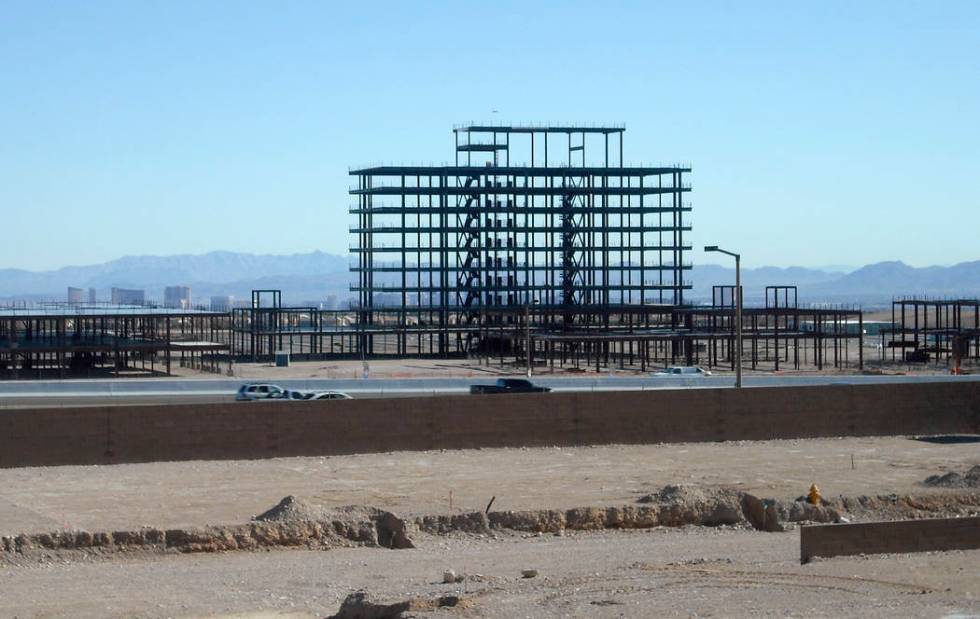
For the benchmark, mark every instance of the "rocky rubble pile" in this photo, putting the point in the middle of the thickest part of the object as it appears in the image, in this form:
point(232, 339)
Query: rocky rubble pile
point(969, 479)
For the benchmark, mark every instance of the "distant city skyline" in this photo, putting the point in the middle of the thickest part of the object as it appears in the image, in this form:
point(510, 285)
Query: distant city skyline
point(825, 134)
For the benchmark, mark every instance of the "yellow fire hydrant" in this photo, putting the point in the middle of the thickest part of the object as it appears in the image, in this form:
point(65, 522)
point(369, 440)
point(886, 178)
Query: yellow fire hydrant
point(814, 495)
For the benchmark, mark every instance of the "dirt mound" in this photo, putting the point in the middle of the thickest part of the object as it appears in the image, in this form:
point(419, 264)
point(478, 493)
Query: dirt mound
point(969, 479)
point(357, 523)
point(291, 509)
point(680, 505)
point(291, 523)
point(895, 507)
point(297, 523)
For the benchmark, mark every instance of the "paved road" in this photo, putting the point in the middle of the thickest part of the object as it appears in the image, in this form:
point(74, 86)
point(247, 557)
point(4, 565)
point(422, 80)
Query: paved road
point(183, 390)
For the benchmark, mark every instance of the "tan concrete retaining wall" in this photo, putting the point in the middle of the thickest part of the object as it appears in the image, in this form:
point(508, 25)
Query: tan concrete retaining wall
point(105, 435)
point(829, 540)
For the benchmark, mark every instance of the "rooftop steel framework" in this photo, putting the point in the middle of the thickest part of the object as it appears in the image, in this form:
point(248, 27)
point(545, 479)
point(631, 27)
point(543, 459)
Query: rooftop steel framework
point(570, 228)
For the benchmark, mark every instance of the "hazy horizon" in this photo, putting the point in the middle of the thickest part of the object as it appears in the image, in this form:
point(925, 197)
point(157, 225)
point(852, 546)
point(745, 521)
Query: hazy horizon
point(747, 264)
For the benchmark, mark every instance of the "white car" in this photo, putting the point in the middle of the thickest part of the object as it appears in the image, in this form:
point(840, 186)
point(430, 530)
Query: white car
point(318, 395)
point(684, 371)
point(331, 395)
point(258, 391)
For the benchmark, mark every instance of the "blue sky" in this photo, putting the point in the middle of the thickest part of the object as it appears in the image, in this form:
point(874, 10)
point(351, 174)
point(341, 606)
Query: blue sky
point(831, 133)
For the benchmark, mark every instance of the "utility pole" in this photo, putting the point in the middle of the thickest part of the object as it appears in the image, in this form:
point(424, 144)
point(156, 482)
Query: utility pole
point(527, 336)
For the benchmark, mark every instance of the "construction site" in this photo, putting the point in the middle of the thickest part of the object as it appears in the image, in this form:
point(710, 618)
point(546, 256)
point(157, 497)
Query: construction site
point(820, 500)
point(843, 479)
point(120, 341)
point(461, 310)
point(540, 247)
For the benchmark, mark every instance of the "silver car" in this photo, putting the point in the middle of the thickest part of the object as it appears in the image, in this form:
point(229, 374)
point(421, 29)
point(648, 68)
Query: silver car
point(260, 391)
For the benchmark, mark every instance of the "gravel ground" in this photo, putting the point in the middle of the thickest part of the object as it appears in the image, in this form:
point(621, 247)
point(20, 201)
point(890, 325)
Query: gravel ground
point(677, 572)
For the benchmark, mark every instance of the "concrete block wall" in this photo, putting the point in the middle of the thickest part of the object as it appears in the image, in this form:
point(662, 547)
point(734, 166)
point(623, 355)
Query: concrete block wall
point(239, 430)
point(830, 540)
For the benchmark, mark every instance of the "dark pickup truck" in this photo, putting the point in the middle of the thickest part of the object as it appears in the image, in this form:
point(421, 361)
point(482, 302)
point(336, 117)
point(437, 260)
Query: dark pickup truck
point(509, 385)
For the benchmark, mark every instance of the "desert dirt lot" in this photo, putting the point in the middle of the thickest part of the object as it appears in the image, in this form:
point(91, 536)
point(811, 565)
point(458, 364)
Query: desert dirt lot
point(694, 571)
point(172, 494)
point(691, 570)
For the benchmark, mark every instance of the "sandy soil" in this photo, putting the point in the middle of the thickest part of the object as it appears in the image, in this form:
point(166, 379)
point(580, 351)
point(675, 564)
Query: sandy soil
point(691, 571)
point(678, 572)
point(171, 494)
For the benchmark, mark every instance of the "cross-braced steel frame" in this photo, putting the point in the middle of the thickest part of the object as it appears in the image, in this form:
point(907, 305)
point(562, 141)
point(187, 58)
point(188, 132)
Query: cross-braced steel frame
point(571, 232)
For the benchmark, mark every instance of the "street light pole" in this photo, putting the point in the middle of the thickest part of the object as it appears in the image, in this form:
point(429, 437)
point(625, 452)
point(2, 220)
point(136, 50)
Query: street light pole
point(738, 321)
point(738, 310)
point(363, 344)
point(527, 336)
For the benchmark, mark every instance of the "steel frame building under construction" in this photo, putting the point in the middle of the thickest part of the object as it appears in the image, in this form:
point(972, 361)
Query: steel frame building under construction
point(77, 341)
point(538, 244)
point(571, 234)
point(925, 329)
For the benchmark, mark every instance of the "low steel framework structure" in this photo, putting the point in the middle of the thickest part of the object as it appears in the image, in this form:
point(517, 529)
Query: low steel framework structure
point(647, 337)
point(927, 329)
point(259, 331)
point(78, 341)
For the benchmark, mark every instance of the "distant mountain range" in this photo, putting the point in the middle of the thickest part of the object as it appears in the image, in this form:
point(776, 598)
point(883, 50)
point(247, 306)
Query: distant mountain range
point(317, 276)
point(871, 284)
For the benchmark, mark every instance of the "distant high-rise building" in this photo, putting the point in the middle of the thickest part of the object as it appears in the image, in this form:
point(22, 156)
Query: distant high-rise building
point(222, 303)
point(75, 295)
point(177, 296)
point(128, 296)
point(91, 295)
